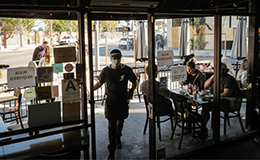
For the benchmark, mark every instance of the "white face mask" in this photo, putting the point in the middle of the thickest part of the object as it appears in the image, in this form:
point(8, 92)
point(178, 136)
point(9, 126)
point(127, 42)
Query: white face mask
point(116, 62)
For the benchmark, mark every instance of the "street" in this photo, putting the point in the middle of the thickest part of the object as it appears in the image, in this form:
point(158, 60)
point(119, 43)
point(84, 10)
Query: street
point(22, 56)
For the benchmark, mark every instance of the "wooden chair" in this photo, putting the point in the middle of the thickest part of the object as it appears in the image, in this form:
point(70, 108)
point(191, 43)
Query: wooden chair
point(232, 112)
point(170, 116)
point(13, 110)
point(186, 119)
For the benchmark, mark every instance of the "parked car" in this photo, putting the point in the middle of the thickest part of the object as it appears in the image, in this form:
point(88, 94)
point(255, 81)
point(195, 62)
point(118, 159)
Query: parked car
point(68, 41)
point(126, 43)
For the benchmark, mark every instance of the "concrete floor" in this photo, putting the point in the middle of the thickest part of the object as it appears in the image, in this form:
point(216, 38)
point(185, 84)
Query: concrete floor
point(136, 144)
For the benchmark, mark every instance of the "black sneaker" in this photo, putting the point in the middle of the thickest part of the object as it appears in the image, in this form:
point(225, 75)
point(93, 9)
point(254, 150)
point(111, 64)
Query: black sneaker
point(118, 144)
point(205, 133)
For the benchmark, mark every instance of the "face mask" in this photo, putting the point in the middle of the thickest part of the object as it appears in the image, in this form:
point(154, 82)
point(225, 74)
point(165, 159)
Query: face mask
point(116, 62)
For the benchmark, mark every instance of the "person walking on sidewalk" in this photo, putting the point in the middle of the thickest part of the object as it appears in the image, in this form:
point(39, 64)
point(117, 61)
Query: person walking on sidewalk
point(38, 52)
point(116, 77)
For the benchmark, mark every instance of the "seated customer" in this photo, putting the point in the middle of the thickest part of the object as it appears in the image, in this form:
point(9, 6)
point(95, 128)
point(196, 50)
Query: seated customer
point(194, 76)
point(230, 92)
point(164, 104)
point(242, 73)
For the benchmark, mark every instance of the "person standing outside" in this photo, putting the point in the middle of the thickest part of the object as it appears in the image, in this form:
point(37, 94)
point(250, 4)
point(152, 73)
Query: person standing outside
point(38, 52)
point(116, 77)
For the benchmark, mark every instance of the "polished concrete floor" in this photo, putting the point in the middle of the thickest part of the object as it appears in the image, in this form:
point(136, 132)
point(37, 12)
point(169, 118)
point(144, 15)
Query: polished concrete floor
point(136, 144)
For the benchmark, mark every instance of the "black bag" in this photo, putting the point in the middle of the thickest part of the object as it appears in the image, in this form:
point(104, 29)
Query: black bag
point(39, 56)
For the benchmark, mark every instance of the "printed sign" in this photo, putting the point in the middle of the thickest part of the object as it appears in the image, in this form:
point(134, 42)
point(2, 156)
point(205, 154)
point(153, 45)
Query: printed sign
point(69, 67)
point(55, 91)
point(57, 67)
point(70, 91)
point(44, 74)
point(20, 77)
point(17, 29)
point(163, 82)
point(44, 93)
point(165, 58)
point(29, 94)
point(68, 75)
point(179, 73)
point(64, 54)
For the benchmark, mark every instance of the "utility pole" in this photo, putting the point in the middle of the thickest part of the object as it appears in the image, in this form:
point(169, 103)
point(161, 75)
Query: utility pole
point(96, 46)
point(51, 32)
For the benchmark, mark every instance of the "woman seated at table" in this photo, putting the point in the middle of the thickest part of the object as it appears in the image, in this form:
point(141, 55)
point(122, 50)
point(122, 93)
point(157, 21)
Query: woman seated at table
point(242, 74)
point(164, 104)
point(194, 76)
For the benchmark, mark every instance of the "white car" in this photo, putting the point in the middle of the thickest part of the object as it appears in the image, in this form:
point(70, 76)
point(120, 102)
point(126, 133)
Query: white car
point(68, 40)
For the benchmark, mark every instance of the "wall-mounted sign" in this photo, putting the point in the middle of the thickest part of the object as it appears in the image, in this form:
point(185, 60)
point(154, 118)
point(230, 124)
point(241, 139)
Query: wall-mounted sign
point(55, 91)
point(43, 114)
point(20, 77)
point(79, 71)
point(58, 67)
point(70, 91)
point(44, 74)
point(179, 73)
point(64, 54)
point(29, 94)
point(165, 58)
point(68, 75)
point(163, 82)
point(44, 93)
point(69, 67)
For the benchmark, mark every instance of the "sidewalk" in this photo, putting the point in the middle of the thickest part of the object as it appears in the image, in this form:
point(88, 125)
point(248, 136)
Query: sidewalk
point(15, 47)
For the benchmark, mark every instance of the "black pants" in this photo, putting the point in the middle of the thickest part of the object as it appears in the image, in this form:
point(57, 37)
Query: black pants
point(115, 128)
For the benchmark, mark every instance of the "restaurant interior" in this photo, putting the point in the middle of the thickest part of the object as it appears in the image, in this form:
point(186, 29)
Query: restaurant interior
point(80, 129)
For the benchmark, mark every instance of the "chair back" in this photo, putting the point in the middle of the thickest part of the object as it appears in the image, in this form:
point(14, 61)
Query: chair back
point(178, 104)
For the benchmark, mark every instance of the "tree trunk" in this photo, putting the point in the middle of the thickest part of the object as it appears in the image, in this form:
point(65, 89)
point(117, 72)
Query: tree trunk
point(21, 32)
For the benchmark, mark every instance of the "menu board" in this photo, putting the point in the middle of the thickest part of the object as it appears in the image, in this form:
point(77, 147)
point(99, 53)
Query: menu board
point(43, 114)
point(179, 73)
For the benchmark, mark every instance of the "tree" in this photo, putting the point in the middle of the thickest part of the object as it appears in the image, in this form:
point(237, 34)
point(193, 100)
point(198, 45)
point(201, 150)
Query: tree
point(63, 25)
point(8, 28)
point(109, 25)
point(197, 23)
point(25, 25)
point(10, 23)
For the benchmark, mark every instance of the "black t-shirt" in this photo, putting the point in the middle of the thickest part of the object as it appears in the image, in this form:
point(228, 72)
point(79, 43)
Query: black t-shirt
point(230, 82)
point(190, 78)
point(116, 88)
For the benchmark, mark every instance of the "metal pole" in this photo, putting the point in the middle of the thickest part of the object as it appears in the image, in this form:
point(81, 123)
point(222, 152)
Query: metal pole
point(106, 48)
point(81, 29)
point(96, 46)
point(217, 91)
point(51, 33)
point(152, 98)
point(91, 85)
point(134, 52)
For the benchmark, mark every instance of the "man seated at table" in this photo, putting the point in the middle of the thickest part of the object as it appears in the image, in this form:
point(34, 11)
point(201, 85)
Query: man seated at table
point(164, 104)
point(194, 76)
point(230, 92)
